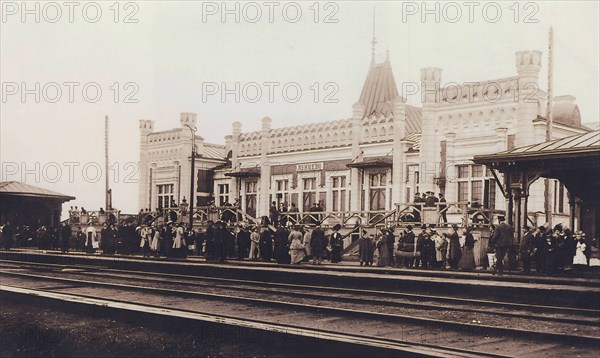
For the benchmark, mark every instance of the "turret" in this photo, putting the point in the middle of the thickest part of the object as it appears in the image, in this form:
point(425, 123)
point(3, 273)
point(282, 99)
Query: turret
point(430, 84)
point(528, 64)
point(430, 79)
point(188, 119)
point(146, 127)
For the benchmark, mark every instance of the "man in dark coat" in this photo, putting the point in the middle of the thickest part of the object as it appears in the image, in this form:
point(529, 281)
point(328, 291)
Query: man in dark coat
point(420, 242)
point(501, 240)
point(274, 213)
point(65, 237)
point(366, 248)
point(454, 248)
point(431, 200)
point(391, 240)
point(243, 242)
point(527, 248)
point(409, 246)
point(266, 245)
point(221, 237)
point(281, 250)
point(317, 244)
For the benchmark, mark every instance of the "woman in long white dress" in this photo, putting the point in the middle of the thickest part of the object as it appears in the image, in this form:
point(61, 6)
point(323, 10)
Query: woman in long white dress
point(579, 260)
point(179, 241)
point(155, 243)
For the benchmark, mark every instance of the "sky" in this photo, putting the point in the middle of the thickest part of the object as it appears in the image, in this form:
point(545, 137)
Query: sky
point(63, 68)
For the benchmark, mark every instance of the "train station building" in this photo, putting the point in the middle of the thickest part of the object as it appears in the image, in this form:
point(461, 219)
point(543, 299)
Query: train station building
point(377, 158)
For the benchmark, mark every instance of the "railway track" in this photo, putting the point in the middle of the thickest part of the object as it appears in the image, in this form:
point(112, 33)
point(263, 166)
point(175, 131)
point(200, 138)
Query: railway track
point(352, 309)
point(364, 297)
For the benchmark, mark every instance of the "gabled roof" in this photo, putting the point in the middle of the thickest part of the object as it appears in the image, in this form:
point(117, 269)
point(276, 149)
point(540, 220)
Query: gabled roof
point(21, 189)
point(213, 151)
point(577, 144)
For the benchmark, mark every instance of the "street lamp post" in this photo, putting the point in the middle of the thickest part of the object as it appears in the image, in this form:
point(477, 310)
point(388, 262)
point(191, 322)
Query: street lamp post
point(193, 164)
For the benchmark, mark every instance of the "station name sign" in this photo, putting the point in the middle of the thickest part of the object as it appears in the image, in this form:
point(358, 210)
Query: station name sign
point(308, 167)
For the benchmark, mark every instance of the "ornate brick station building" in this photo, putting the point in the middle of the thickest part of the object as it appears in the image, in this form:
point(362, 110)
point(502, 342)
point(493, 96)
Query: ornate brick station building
point(374, 160)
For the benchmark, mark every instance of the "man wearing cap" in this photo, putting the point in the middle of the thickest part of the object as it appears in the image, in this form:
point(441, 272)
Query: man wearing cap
point(243, 242)
point(408, 247)
point(431, 200)
point(501, 240)
point(527, 248)
point(420, 241)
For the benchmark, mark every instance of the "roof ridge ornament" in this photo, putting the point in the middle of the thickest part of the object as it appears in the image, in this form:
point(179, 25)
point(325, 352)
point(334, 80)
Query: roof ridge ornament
point(373, 41)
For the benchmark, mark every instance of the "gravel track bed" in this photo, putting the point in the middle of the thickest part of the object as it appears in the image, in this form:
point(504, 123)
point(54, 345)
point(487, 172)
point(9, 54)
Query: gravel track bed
point(479, 318)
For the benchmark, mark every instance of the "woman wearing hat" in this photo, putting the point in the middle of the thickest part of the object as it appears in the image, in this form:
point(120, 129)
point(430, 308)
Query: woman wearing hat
point(383, 258)
point(454, 248)
point(337, 243)
point(579, 260)
point(467, 259)
point(296, 248)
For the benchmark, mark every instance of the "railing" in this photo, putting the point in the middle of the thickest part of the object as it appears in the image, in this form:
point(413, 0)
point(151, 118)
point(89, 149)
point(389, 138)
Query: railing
point(459, 213)
point(95, 217)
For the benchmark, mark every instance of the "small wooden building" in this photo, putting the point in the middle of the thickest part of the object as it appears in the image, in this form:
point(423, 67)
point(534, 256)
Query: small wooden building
point(24, 204)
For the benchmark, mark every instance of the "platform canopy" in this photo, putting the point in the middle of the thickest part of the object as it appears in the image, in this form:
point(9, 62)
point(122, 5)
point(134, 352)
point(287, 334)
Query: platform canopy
point(24, 204)
point(573, 160)
point(15, 188)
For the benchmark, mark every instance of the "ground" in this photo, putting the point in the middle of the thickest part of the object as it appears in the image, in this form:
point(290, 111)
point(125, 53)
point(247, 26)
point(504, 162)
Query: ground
point(29, 330)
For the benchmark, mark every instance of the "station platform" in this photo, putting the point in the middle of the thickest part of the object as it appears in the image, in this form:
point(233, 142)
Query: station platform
point(581, 292)
point(351, 266)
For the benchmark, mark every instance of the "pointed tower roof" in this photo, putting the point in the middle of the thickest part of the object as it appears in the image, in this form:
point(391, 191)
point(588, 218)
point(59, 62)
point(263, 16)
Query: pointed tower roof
point(379, 89)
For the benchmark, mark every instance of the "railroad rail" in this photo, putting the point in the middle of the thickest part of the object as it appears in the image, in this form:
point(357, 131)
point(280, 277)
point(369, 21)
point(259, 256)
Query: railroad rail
point(376, 343)
point(157, 285)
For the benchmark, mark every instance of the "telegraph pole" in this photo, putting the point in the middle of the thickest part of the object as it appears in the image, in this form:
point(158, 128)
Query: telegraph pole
point(549, 119)
point(107, 193)
point(193, 168)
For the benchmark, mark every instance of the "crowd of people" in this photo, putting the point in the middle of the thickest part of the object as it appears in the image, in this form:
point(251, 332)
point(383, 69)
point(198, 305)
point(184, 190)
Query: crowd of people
point(553, 250)
point(558, 249)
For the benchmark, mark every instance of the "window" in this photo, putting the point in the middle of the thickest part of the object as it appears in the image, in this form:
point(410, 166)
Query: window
point(477, 191)
point(250, 193)
point(377, 186)
point(412, 180)
point(309, 195)
point(477, 171)
point(165, 195)
point(559, 197)
point(339, 194)
point(463, 191)
point(282, 187)
point(463, 171)
point(251, 187)
point(476, 184)
point(223, 194)
point(309, 183)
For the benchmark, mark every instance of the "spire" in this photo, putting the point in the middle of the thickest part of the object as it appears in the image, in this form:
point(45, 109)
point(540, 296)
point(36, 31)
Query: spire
point(373, 42)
